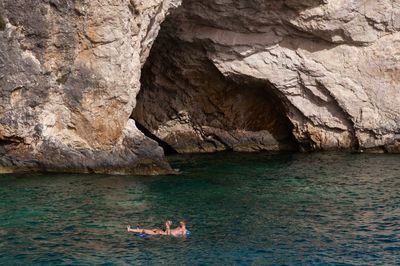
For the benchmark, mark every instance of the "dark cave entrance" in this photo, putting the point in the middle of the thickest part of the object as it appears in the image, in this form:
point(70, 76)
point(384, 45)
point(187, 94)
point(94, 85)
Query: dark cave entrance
point(188, 106)
point(168, 149)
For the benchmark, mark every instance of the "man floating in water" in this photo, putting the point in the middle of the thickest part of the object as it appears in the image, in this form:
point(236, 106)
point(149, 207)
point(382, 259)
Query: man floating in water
point(179, 231)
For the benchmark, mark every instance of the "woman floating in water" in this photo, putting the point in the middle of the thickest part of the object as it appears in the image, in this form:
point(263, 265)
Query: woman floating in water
point(179, 231)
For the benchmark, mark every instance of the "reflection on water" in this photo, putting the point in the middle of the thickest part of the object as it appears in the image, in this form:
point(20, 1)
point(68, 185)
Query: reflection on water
point(243, 209)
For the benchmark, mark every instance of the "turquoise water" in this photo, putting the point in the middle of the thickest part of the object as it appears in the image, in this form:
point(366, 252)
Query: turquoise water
point(243, 209)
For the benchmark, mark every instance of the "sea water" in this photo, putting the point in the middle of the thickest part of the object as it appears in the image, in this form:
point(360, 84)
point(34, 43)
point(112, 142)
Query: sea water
point(242, 209)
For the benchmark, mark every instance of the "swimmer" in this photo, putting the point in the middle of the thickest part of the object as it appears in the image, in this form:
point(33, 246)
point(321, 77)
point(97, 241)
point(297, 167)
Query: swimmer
point(181, 230)
point(165, 232)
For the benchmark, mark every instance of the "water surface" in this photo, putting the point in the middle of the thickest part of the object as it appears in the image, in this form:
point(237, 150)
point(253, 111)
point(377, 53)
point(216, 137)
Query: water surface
point(243, 209)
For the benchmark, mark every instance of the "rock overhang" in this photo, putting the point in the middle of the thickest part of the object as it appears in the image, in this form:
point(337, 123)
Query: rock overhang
point(327, 69)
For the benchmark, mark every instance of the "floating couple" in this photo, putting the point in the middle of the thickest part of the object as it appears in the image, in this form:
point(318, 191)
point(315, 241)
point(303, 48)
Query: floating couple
point(179, 231)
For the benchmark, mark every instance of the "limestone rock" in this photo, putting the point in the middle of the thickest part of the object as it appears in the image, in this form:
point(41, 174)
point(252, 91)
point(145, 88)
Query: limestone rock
point(244, 75)
point(69, 75)
point(331, 67)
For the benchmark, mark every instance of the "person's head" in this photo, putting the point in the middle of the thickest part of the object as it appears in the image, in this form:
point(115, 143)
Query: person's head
point(183, 223)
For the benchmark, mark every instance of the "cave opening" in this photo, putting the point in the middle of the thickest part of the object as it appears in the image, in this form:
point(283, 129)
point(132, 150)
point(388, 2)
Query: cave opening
point(188, 106)
point(168, 149)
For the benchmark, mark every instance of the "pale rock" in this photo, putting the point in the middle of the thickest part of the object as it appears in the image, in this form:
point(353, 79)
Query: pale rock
point(245, 75)
point(332, 67)
point(69, 76)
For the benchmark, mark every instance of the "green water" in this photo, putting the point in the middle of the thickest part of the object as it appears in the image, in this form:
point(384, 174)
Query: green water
point(243, 209)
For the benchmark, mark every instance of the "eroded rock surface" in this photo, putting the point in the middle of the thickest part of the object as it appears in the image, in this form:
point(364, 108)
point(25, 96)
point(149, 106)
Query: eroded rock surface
point(189, 104)
point(69, 76)
point(244, 75)
point(327, 71)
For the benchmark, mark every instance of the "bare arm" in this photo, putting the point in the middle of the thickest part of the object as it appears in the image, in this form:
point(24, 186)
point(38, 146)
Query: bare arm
point(137, 230)
point(145, 231)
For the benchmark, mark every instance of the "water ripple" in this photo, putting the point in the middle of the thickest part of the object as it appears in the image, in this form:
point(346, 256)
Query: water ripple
point(243, 209)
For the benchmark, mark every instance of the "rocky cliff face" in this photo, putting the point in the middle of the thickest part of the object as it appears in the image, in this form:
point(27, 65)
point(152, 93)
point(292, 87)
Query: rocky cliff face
point(243, 75)
point(69, 76)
